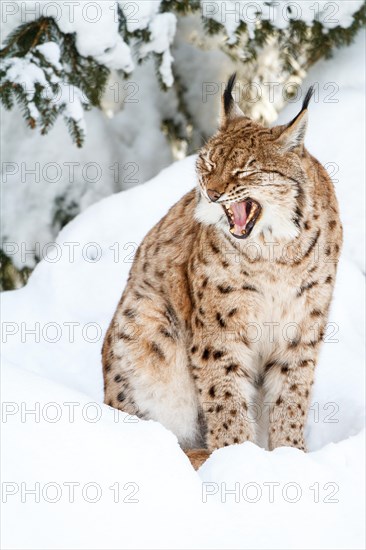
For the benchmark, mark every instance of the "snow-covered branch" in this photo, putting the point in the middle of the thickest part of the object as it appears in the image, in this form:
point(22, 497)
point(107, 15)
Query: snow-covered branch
point(59, 59)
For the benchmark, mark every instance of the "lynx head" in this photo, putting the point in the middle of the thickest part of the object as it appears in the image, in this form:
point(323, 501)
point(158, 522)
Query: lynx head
point(251, 178)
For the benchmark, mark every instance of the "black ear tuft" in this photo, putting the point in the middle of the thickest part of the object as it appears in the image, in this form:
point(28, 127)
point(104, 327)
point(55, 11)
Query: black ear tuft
point(228, 98)
point(308, 97)
point(305, 104)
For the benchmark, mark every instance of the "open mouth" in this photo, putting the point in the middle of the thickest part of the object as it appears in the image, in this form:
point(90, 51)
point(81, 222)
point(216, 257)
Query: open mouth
point(242, 217)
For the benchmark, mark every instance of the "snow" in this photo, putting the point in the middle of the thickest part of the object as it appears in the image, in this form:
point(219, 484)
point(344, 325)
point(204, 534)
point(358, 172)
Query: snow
point(138, 15)
point(96, 29)
point(162, 29)
point(231, 14)
point(25, 72)
point(104, 43)
point(72, 109)
point(51, 52)
point(281, 499)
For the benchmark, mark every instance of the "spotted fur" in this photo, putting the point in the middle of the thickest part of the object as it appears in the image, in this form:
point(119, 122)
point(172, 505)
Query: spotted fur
point(216, 337)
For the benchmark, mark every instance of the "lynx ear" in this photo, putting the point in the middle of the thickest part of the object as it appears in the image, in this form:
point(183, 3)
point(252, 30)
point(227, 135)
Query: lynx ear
point(294, 133)
point(229, 108)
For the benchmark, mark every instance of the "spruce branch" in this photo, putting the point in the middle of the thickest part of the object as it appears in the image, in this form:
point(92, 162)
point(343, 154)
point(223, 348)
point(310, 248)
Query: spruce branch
point(44, 95)
point(52, 80)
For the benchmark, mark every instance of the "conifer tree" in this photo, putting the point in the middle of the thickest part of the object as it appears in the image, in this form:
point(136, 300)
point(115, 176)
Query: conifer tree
point(44, 71)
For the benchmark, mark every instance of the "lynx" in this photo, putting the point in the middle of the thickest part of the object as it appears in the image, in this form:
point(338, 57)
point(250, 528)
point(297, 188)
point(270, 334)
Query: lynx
point(218, 330)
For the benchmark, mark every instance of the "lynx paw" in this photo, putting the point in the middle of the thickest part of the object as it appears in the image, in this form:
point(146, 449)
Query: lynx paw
point(197, 456)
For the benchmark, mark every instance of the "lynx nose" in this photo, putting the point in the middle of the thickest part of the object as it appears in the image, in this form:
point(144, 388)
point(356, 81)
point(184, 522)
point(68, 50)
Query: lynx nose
point(213, 195)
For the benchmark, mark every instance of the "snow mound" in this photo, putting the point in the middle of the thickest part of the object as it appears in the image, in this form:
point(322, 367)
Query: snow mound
point(77, 474)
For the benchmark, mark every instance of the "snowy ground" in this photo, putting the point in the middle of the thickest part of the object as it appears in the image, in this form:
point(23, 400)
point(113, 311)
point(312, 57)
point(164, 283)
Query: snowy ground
point(102, 479)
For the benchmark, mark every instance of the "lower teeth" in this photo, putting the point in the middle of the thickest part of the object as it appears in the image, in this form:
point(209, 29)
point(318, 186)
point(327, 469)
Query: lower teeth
point(251, 214)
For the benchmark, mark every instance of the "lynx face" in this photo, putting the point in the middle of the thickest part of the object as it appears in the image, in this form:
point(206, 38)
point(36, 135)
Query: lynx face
point(251, 179)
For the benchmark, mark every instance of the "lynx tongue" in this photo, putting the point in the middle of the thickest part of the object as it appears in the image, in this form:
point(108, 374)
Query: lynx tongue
point(239, 210)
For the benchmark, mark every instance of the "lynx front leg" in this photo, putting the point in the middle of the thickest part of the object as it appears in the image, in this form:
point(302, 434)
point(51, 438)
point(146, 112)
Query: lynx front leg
point(226, 391)
point(288, 387)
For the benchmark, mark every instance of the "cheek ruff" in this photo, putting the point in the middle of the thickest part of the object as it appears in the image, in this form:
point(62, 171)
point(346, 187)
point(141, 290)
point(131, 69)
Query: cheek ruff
point(209, 213)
